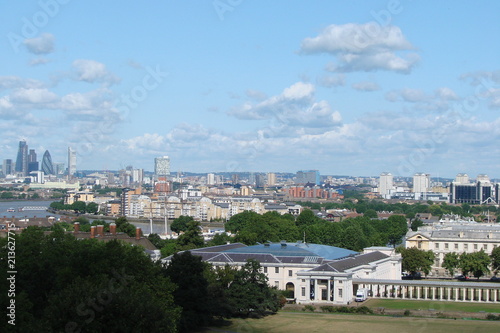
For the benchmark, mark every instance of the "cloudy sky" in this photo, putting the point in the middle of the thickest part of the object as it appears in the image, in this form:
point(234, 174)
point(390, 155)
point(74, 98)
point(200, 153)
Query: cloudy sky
point(345, 87)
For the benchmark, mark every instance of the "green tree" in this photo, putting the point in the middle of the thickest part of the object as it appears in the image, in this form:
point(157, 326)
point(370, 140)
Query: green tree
point(250, 294)
point(187, 271)
point(416, 223)
point(416, 260)
point(306, 217)
point(495, 260)
point(79, 206)
point(476, 263)
point(92, 208)
point(180, 224)
point(191, 238)
point(371, 213)
point(451, 262)
point(241, 220)
point(397, 229)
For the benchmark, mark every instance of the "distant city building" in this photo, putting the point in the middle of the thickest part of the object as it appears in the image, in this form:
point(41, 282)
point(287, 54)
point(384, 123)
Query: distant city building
point(386, 184)
point(462, 178)
point(210, 179)
point(271, 179)
point(7, 167)
point(260, 180)
point(32, 161)
point(138, 176)
point(71, 162)
point(162, 166)
point(47, 166)
point(480, 192)
point(235, 179)
point(308, 176)
point(59, 168)
point(22, 158)
point(421, 182)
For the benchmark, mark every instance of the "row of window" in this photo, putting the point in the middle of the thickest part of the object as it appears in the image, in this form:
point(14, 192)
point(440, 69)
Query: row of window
point(466, 246)
point(277, 270)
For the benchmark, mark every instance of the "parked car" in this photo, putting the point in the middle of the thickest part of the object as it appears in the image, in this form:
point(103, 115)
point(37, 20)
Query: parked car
point(414, 276)
point(495, 279)
point(462, 278)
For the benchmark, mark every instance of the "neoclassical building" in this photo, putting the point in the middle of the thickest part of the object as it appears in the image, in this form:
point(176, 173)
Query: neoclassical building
point(312, 273)
point(455, 236)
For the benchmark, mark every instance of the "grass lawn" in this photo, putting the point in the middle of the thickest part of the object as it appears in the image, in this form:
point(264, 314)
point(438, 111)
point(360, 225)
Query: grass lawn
point(436, 305)
point(285, 322)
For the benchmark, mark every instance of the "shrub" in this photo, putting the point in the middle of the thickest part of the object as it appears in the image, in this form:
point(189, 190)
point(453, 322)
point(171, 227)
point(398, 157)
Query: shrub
point(407, 313)
point(491, 316)
point(308, 308)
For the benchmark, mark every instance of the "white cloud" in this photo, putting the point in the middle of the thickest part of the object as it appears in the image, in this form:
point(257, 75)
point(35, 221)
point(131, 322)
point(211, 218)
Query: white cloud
point(295, 106)
point(331, 81)
point(437, 101)
point(446, 94)
point(366, 86)
point(12, 82)
point(38, 61)
point(40, 45)
point(363, 47)
point(92, 71)
point(33, 96)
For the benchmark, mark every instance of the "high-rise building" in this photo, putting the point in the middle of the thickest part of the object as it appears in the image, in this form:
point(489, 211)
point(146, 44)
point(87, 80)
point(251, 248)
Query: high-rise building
point(138, 176)
point(308, 176)
point(59, 168)
point(32, 162)
point(260, 180)
point(462, 178)
point(211, 179)
point(386, 184)
point(47, 166)
point(480, 192)
point(71, 162)
point(421, 182)
point(271, 179)
point(162, 166)
point(7, 167)
point(22, 158)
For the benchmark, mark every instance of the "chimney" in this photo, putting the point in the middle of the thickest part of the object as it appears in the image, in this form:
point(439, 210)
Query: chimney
point(112, 228)
point(92, 231)
point(137, 233)
point(77, 227)
point(100, 230)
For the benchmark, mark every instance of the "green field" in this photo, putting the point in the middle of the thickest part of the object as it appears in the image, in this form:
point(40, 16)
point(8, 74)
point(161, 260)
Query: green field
point(285, 322)
point(436, 305)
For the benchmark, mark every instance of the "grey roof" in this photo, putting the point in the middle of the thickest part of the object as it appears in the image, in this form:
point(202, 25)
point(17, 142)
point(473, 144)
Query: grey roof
point(345, 264)
point(220, 248)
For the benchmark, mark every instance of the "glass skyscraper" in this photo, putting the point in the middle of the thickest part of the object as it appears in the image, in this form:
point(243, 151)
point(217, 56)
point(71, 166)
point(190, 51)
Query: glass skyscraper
point(22, 158)
point(47, 166)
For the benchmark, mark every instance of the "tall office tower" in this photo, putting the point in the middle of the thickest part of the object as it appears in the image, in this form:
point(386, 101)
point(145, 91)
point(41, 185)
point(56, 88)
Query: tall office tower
point(271, 179)
point(22, 158)
point(462, 178)
point(421, 182)
point(71, 162)
point(308, 176)
point(235, 178)
point(210, 179)
point(59, 168)
point(7, 167)
point(162, 166)
point(260, 180)
point(32, 162)
point(138, 176)
point(47, 166)
point(386, 184)
point(483, 178)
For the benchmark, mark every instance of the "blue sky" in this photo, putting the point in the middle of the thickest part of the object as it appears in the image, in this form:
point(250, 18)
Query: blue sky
point(345, 87)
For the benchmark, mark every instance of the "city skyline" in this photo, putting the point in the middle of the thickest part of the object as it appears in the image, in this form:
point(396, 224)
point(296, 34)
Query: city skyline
point(347, 88)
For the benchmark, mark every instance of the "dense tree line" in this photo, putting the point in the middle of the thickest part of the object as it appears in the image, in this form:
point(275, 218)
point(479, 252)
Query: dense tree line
point(68, 285)
point(354, 233)
point(476, 264)
point(80, 207)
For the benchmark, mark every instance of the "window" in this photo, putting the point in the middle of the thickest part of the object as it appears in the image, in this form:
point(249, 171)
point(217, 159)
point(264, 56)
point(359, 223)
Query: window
point(475, 246)
point(446, 246)
point(277, 284)
point(456, 246)
point(436, 246)
point(276, 269)
point(265, 270)
point(303, 280)
point(303, 291)
point(466, 247)
point(290, 273)
point(340, 292)
point(485, 247)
